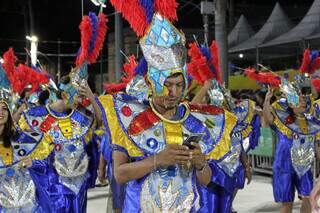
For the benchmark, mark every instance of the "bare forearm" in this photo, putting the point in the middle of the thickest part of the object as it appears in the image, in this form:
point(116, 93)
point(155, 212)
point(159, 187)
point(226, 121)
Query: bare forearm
point(198, 98)
point(267, 112)
point(204, 176)
point(134, 170)
point(97, 112)
point(244, 160)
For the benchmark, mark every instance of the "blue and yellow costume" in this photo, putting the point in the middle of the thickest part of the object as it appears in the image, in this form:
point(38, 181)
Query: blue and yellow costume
point(72, 164)
point(228, 173)
point(20, 188)
point(295, 152)
point(139, 131)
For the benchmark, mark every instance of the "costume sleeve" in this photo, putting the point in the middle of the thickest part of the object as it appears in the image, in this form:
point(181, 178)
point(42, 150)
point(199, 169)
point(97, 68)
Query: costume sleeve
point(224, 144)
point(93, 154)
point(255, 134)
point(119, 139)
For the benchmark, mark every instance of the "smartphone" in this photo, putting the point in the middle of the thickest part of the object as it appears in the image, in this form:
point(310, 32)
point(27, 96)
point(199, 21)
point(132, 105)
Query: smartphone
point(193, 138)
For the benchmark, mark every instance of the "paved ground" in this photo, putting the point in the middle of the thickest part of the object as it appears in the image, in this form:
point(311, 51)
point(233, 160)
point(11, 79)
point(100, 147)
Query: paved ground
point(257, 197)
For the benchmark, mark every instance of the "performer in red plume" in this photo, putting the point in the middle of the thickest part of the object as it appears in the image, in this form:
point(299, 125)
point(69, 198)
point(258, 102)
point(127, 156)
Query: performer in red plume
point(229, 172)
point(162, 146)
point(73, 161)
point(292, 119)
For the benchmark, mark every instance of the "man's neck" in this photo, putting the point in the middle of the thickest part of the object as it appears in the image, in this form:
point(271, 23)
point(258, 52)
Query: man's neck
point(166, 113)
point(58, 106)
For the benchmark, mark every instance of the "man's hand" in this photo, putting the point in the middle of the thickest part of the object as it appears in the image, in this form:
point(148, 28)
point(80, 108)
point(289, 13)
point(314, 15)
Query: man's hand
point(269, 94)
point(86, 92)
point(314, 196)
point(173, 154)
point(198, 159)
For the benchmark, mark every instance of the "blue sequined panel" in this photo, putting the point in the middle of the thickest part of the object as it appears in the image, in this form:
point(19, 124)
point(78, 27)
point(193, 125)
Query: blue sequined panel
point(241, 111)
point(196, 123)
point(17, 189)
point(170, 190)
point(302, 153)
point(231, 161)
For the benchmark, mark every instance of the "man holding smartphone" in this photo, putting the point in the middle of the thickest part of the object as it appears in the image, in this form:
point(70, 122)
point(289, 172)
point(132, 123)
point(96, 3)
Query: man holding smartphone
point(155, 150)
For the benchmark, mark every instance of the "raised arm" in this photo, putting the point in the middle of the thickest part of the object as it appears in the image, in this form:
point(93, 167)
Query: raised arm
point(199, 97)
point(267, 108)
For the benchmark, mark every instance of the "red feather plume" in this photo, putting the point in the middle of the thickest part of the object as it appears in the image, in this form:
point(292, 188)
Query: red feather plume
point(198, 67)
point(114, 88)
point(86, 33)
point(215, 60)
point(316, 84)
point(263, 77)
point(315, 65)
point(307, 65)
point(28, 76)
point(129, 70)
point(101, 34)
point(167, 8)
point(133, 13)
point(305, 61)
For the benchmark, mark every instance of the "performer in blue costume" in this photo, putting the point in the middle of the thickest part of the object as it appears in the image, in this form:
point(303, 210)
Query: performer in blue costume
point(297, 141)
point(73, 163)
point(21, 154)
point(148, 136)
point(229, 172)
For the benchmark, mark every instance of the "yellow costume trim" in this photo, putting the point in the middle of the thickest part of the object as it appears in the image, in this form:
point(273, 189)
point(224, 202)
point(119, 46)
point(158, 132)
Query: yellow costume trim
point(185, 116)
point(173, 133)
point(6, 155)
point(88, 136)
point(24, 126)
point(224, 145)
point(118, 136)
point(65, 127)
point(245, 133)
point(99, 132)
point(43, 149)
point(278, 123)
point(318, 136)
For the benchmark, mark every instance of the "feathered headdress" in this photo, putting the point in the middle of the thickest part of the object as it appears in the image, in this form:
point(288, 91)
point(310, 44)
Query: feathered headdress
point(267, 78)
point(22, 76)
point(129, 73)
point(316, 84)
point(204, 64)
point(162, 44)
point(139, 13)
point(93, 30)
point(310, 62)
point(133, 82)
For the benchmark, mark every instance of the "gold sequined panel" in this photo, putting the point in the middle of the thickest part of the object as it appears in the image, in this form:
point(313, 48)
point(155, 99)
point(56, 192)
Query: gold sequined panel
point(65, 127)
point(43, 149)
point(6, 155)
point(173, 132)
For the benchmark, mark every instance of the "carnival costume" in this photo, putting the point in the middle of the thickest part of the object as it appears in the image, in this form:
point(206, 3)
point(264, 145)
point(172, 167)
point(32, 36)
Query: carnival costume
point(73, 162)
point(139, 131)
point(20, 188)
point(228, 173)
point(297, 136)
